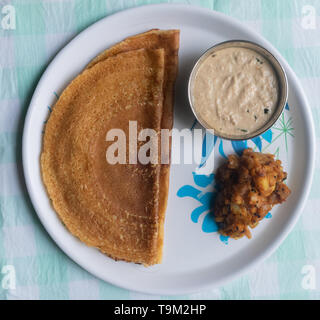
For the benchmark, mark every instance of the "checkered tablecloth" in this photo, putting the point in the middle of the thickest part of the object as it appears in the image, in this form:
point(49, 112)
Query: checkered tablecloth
point(42, 271)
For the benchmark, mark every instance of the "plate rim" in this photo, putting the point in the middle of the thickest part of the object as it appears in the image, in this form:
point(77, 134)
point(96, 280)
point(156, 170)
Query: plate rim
point(276, 242)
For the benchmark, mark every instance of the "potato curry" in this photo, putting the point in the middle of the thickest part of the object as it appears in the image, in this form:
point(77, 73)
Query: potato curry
point(249, 186)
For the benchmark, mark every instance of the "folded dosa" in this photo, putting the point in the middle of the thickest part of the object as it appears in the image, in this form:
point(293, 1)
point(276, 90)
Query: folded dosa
point(114, 207)
point(169, 41)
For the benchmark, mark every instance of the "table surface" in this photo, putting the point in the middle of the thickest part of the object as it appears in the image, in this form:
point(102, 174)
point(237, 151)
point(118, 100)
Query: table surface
point(41, 269)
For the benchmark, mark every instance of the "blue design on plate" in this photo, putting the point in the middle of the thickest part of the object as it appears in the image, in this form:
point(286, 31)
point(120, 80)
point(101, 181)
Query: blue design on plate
point(221, 149)
point(224, 239)
point(239, 146)
point(257, 141)
point(202, 180)
point(56, 95)
point(194, 124)
point(267, 136)
point(206, 200)
point(268, 216)
point(208, 143)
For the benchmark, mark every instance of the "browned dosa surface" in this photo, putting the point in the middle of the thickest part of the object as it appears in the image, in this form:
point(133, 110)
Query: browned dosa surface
point(154, 39)
point(112, 207)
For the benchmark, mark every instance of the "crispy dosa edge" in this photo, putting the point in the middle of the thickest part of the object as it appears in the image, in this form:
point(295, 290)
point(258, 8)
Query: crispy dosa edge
point(153, 39)
point(50, 128)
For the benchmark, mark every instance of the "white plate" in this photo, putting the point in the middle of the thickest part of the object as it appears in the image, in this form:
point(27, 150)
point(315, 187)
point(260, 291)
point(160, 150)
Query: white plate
point(195, 258)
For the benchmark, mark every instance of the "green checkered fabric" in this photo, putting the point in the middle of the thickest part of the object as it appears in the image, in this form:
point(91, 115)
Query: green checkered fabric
point(42, 270)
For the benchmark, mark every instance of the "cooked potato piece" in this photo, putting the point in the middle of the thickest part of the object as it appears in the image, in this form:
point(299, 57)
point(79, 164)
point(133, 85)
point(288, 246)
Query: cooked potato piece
point(250, 186)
